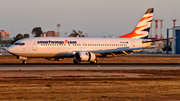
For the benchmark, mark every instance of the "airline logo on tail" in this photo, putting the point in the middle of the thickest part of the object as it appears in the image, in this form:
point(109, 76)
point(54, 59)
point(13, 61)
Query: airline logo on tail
point(142, 29)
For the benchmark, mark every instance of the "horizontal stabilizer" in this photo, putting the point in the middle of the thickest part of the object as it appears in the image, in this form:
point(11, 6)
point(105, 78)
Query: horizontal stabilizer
point(147, 41)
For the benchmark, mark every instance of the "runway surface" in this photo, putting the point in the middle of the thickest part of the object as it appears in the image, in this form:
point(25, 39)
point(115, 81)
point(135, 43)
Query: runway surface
point(104, 66)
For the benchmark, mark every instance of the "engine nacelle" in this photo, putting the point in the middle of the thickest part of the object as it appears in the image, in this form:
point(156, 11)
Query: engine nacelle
point(85, 56)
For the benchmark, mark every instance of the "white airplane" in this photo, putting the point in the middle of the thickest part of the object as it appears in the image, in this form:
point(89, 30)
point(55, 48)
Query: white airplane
point(84, 49)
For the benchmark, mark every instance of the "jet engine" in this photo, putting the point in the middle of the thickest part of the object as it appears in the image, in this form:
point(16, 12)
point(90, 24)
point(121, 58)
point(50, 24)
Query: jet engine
point(85, 56)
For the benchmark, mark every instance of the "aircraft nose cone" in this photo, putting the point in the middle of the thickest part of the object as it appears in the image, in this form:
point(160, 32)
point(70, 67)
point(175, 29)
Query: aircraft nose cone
point(10, 50)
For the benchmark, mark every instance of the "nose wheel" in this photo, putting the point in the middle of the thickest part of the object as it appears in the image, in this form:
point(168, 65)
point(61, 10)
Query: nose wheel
point(24, 62)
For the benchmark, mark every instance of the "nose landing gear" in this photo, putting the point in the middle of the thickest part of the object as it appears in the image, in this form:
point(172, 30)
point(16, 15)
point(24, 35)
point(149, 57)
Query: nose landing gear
point(24, 59)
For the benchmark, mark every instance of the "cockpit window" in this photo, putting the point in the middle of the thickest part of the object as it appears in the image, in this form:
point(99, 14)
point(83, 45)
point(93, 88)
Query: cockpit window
point(16, 43)
point(21, 44)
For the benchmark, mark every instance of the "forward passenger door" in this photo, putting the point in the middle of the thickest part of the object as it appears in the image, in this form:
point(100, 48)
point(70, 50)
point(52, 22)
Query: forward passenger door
point(34, 44)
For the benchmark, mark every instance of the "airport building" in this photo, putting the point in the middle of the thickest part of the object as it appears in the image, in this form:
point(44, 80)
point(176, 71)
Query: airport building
point(50, 34)
point(175, 39)
point(4, 34)
point(5, 44)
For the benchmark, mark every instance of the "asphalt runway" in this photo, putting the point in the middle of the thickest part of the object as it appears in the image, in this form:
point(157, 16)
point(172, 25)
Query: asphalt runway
point(103, 66)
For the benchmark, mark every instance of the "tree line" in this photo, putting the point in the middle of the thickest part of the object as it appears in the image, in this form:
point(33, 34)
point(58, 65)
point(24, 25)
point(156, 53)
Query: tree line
point(37, 32)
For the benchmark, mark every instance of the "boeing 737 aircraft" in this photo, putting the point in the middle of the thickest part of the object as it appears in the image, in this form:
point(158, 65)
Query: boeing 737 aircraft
point(84, 49)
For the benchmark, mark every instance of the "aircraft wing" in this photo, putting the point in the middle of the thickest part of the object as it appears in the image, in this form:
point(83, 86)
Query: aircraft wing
point(115, 52)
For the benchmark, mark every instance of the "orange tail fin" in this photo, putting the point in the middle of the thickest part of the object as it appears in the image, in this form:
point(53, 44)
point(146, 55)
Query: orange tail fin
point(142, 29)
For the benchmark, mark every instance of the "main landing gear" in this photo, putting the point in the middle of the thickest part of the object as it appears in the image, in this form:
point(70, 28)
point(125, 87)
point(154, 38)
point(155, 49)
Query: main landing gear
point(94, 62)
point(78, 61)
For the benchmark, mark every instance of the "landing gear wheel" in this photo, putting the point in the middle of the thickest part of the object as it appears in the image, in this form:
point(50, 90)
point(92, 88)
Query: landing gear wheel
point(76, 62)
point(24, 62)
point(94, 62)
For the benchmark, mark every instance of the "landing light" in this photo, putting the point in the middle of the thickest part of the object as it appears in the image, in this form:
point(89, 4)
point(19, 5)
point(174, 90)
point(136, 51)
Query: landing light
point(73, 53)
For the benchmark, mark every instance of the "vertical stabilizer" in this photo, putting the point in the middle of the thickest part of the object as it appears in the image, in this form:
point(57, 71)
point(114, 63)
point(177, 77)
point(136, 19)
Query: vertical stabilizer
point(143, 27)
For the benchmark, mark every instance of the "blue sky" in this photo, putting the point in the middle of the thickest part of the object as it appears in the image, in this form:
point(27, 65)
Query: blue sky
point(97, 18)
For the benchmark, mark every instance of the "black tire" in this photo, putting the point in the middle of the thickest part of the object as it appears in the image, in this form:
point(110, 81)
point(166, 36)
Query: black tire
point(76, 62)
point(24, 62)
point(94, 62)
